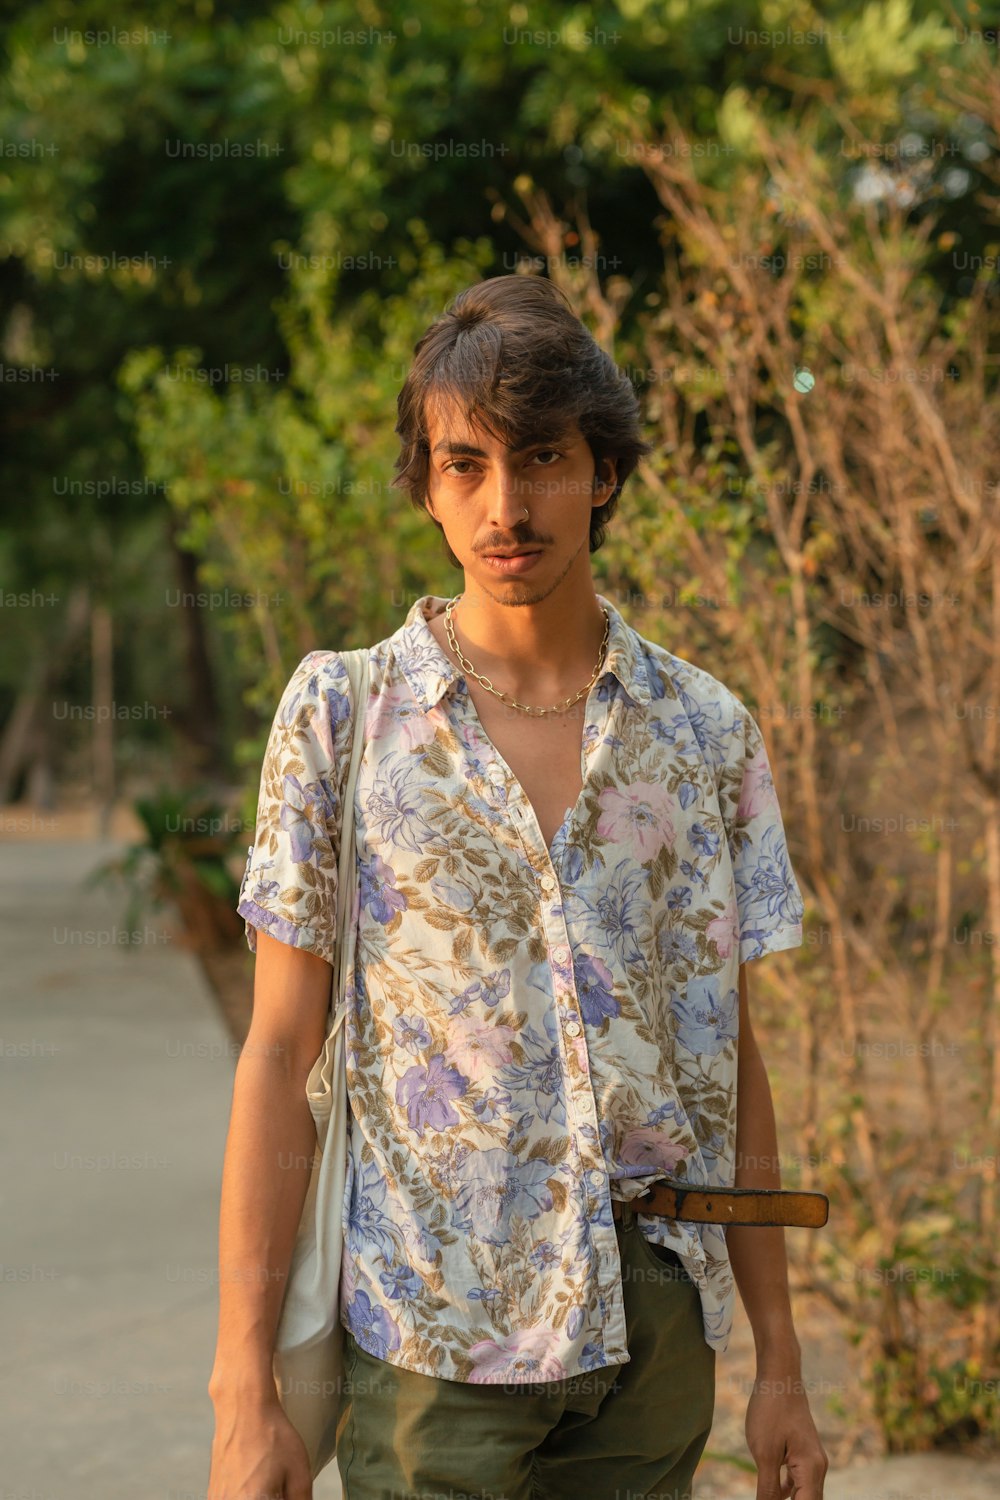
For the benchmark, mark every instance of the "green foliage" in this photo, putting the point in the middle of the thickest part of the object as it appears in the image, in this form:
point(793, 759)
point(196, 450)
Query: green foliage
point(886, 47)
point(191, 844)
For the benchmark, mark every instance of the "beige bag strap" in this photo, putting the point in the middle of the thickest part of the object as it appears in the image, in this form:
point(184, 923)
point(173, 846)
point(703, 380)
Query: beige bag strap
point(356, 663)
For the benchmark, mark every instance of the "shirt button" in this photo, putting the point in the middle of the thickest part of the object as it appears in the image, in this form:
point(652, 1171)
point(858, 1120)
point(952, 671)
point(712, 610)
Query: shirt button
point(547, 884)
point(572, 1028)
point(561, 954)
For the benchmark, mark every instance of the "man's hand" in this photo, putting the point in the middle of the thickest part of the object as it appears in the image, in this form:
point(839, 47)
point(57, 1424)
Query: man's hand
point(257, 1454)
point(780, 1430)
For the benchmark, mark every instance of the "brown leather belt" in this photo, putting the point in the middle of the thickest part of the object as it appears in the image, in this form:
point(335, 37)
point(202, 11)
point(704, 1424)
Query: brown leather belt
point(702, 1205)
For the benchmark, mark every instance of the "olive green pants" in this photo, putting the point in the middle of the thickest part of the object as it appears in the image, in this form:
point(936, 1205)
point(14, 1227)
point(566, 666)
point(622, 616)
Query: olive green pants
point(624, 1432)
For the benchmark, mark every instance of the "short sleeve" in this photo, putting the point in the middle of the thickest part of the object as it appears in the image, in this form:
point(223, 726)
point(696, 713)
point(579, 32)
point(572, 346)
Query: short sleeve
point(768, 899)
point(289, 887)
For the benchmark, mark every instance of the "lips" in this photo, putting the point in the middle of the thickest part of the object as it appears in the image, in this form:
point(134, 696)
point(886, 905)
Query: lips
point(516, 562)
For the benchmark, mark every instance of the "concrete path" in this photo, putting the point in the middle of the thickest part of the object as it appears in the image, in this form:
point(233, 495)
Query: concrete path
point(117, 1078)
point(917, 1476)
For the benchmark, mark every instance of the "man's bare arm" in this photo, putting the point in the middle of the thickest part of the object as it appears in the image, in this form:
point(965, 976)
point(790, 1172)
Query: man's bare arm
point(779, 1425)
point(757, 1254)
point(266, 1166)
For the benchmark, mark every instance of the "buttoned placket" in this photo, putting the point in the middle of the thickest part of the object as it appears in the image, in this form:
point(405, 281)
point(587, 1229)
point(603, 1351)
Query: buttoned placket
point(581, 1104)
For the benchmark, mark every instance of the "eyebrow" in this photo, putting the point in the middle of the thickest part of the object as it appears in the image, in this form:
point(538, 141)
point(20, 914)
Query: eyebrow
point(467, 450)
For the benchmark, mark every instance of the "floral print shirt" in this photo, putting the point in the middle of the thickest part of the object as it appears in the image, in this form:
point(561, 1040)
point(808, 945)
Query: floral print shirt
point(529, 1035)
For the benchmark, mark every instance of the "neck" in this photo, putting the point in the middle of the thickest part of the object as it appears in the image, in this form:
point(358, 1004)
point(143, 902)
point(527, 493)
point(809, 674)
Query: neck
point(535, 649)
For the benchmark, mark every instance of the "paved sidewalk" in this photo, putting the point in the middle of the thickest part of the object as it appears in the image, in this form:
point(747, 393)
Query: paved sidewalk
point(117, 1078)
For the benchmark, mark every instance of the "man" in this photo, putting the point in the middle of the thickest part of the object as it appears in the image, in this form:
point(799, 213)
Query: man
point(568, 849)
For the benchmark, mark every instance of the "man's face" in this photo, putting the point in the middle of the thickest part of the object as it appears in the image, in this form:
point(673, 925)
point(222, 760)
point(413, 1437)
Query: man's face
point(478, 489)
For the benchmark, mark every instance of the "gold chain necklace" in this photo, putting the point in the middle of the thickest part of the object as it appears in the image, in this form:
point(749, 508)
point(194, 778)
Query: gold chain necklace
point(487, 684)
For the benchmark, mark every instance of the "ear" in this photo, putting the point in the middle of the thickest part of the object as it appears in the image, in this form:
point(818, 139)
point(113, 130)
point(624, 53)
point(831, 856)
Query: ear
point(605, 479)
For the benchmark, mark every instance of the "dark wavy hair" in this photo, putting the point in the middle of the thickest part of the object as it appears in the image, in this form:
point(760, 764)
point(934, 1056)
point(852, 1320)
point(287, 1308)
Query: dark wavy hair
point(516, 358)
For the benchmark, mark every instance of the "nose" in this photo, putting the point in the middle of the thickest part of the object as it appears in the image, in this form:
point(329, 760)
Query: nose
point(507, 502)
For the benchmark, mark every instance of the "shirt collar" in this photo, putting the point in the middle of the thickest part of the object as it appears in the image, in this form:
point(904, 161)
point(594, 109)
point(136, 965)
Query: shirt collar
point(430, 672)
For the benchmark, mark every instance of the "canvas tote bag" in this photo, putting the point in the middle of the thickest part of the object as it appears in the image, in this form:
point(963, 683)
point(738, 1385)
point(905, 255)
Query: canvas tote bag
point(308, 1357)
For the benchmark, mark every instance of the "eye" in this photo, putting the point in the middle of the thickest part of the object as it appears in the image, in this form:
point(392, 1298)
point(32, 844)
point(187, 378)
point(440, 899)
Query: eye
point(547, 452)
point(449, 467)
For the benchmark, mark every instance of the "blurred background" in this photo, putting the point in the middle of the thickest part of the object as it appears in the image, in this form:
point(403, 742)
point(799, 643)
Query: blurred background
point(222, 229)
